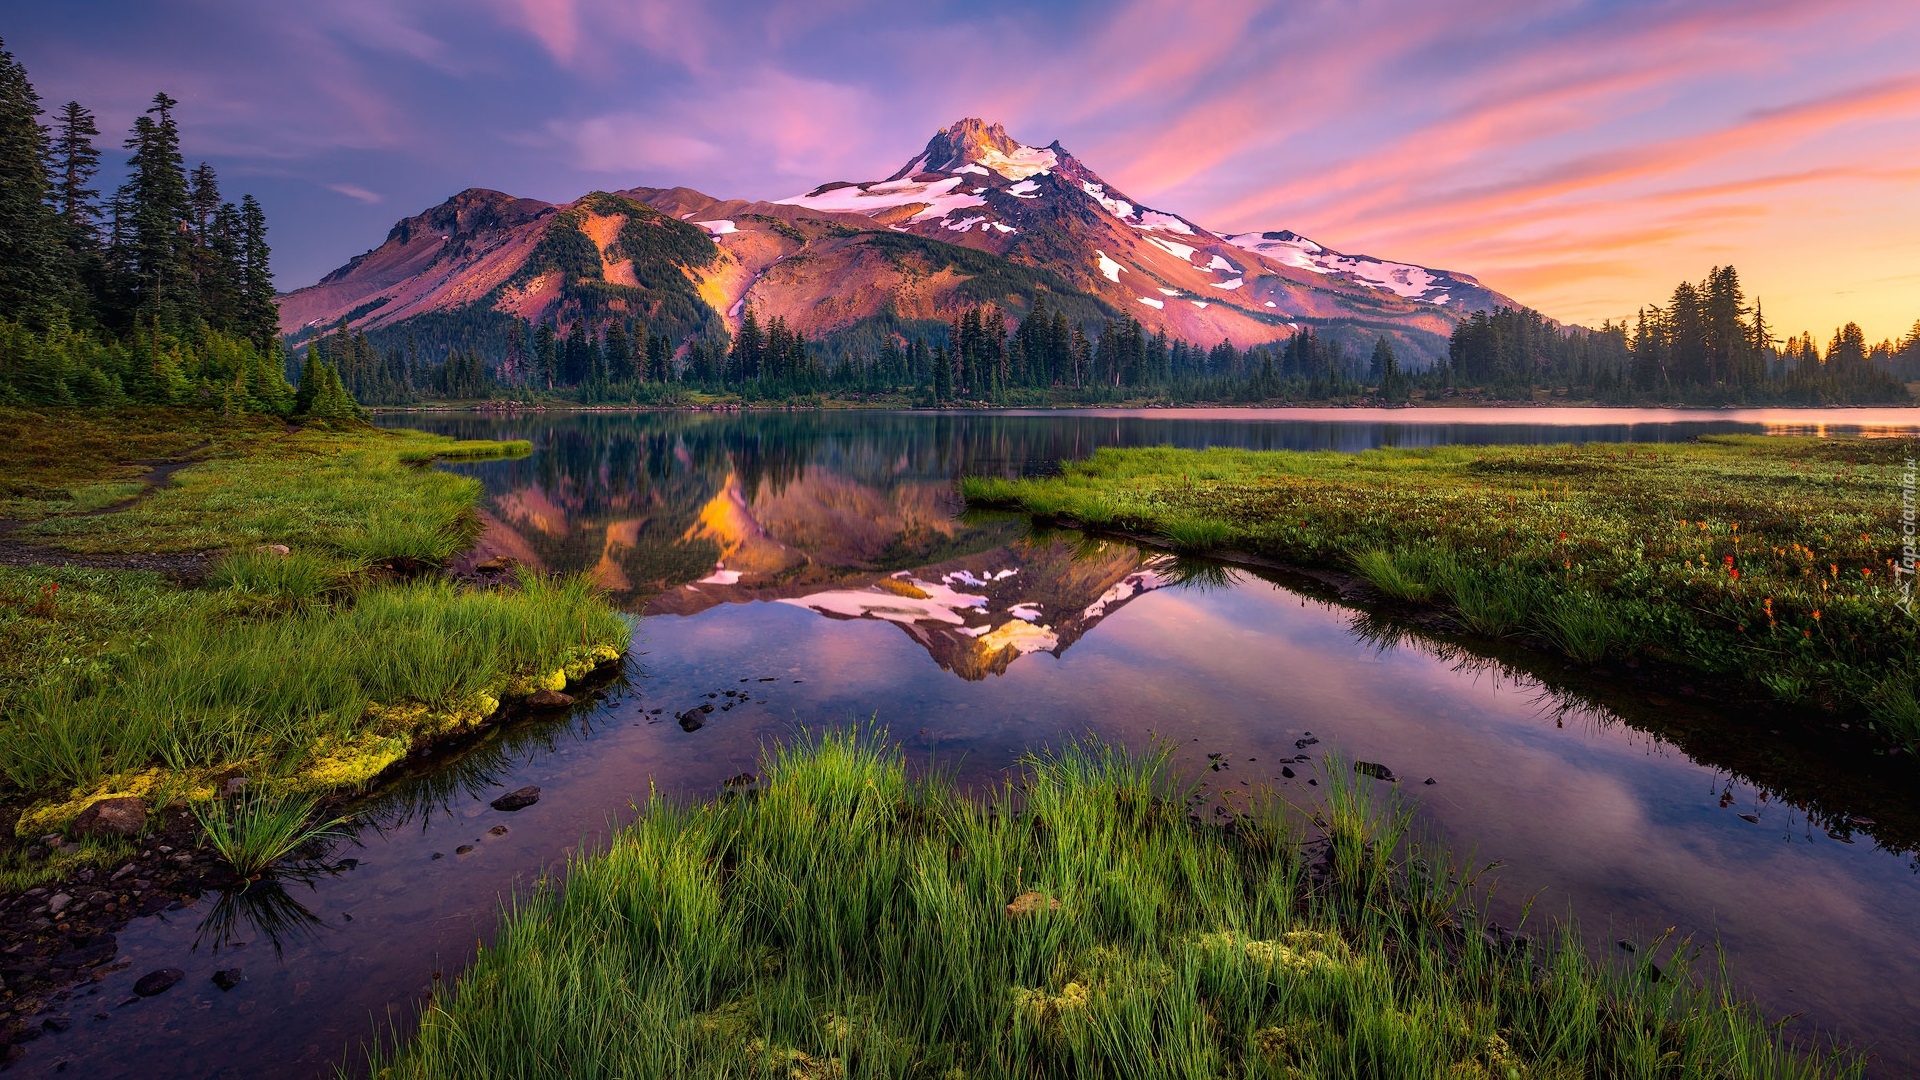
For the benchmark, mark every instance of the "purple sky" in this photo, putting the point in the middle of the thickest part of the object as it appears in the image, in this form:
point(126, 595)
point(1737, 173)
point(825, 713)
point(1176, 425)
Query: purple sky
point(1580, 156)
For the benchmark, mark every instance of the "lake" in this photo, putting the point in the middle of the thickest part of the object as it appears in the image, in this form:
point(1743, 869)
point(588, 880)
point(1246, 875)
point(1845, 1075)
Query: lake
point(802, 569)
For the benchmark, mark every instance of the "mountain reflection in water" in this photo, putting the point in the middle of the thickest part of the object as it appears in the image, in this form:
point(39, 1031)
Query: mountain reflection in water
point(683, 513)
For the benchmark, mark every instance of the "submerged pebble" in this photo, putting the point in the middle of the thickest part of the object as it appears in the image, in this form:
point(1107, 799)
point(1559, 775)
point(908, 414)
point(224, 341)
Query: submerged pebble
point(158, 982)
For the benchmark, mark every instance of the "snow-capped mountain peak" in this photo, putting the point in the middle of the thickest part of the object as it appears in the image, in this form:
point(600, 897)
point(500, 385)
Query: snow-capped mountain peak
point(973, 145)
point(1036, 218)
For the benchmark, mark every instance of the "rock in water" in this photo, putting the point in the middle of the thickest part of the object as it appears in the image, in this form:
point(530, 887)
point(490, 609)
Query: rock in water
point(227, 978)
point(124, 816)
point(1375, 770)
point(518, 800)
point(158, 982)
point(548, 699)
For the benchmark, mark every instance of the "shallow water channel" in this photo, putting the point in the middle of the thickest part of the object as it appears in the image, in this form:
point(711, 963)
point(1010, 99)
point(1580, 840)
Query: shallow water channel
point(754, 544)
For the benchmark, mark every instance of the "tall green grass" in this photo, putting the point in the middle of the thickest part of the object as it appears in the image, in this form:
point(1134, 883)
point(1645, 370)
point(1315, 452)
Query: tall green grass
point(845, 921)
point(298, 666)
point(1742, 557)
point(279, 581)
point(255, 830)
point(1399, 573)
point(210, 689)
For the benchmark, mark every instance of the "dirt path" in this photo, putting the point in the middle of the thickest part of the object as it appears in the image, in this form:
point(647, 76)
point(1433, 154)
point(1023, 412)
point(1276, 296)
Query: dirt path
point(190, 565)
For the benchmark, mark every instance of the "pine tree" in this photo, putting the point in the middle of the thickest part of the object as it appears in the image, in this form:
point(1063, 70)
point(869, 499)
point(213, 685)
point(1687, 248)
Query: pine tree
point(156, 256)
point(546, 355)
point(942, 375)
point(259, 312)
point(32, 286)
point(310, 380)
point(75, 163)
point(1386, 368)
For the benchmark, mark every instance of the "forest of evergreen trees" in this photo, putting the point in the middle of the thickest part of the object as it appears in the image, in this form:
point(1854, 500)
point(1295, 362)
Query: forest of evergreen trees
point(1706, 346)
point(160, 294)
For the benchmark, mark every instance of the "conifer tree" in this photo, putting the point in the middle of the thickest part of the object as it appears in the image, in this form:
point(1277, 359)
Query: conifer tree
point(942, 375)
point(259, 312)
point(155, 258)
point(310, 380)
point(31, 282)
point(75, 163)
point(1386, 367)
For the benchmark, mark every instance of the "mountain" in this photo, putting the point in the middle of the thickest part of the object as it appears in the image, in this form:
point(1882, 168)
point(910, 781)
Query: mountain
point(975, 217)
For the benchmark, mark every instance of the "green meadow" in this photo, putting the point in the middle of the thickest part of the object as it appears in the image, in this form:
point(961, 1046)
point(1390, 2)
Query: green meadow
point(1761, 560)
point(317, 649)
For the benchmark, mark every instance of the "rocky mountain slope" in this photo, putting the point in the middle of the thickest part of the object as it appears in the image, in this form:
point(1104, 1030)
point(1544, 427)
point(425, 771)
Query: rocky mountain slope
point(975, 217)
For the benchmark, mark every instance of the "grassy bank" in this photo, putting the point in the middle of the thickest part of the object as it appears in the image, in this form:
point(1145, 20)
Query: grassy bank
point(1766, 560)
point(844, 921)
point(308, 670)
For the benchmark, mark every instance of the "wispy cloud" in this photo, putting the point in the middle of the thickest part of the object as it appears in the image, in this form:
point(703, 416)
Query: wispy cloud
point(353, 191)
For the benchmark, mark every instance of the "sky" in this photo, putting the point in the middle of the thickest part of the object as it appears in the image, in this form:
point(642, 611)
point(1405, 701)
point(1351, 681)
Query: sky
point(1581, 156)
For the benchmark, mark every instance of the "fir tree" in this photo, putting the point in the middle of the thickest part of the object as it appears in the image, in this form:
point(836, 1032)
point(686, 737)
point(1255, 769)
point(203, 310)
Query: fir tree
point(31, 283)
point(259, 313)
point(155, 260)
point(75, 163)
point(310, 380)
point(1386, 368)
point(942, 375)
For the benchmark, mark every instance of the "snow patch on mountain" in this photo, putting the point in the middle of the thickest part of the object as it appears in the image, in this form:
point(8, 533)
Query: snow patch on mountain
point(1022, 163)
point(1183, 252)
point(1154, 219)
point(1152, 303)
point(1119, 208)
point(1292, 249)
point(869, 199)
point(1228, 285)
point(1025, 189)
point(718, 228)
point(1107, 266)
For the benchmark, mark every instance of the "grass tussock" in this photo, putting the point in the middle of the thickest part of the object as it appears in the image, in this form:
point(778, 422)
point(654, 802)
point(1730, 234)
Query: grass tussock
point(1759, 558)
point(849, 922)
point(280, 581)
point(1398, 573)
point(252, 832)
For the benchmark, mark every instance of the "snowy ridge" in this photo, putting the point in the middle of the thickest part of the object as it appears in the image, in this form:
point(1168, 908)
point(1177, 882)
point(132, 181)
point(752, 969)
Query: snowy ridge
point(937, 198)
point(1401, 279)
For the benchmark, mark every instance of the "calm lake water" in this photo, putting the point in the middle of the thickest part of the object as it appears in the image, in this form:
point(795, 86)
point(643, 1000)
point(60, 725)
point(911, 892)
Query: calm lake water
point(756, 546)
